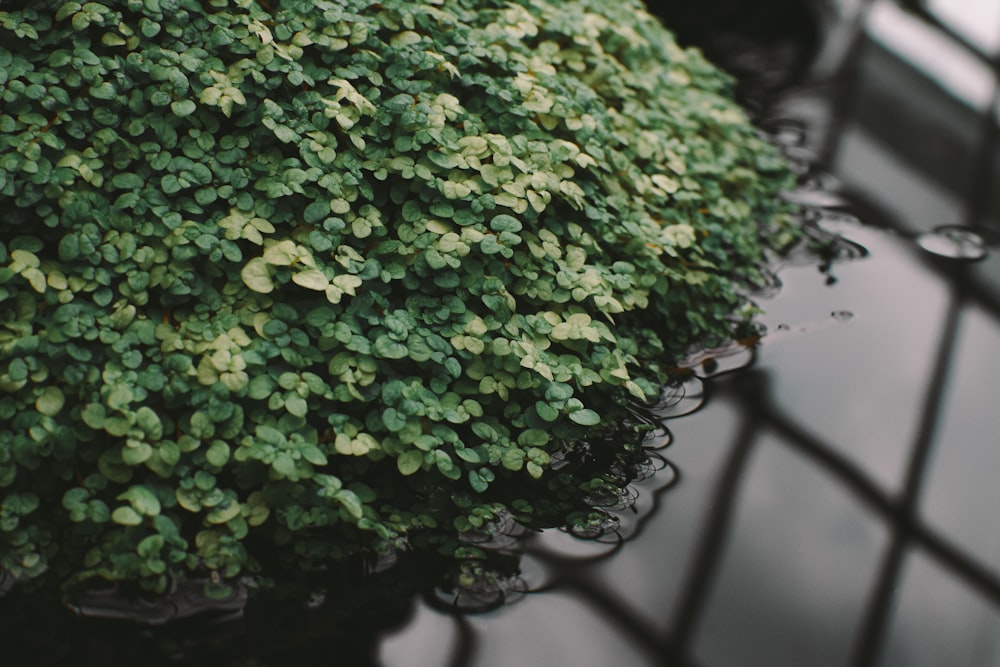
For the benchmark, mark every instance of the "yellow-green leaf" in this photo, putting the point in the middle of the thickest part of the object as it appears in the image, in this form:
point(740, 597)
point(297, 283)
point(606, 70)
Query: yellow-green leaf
point(313, 279)
point(51, 401)
point(126, 516)
point(257, 276)
point(410, 461)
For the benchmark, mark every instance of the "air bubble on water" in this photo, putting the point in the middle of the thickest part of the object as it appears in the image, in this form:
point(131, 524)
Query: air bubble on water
point(953, 242)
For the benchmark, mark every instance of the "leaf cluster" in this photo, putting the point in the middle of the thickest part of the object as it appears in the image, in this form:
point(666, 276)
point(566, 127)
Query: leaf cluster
point(288, 282)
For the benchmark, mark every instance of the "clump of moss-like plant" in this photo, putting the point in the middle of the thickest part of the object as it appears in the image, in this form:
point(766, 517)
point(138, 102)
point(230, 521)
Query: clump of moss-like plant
point(285, 283)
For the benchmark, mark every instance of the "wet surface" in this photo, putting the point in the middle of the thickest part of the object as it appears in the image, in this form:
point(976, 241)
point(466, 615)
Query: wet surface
point(823, 495)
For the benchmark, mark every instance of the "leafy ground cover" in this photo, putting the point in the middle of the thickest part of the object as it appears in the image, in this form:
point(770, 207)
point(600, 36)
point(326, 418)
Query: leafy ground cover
point(289, 283)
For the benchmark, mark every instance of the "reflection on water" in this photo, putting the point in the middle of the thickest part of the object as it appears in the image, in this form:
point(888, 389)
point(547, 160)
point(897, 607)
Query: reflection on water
point(679, 398)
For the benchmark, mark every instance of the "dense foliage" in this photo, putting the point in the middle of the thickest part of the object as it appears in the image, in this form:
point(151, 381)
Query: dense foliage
point(286, 282)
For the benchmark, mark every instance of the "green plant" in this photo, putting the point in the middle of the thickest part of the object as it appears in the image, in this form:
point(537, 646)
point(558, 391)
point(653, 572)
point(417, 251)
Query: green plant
point(288, 282)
